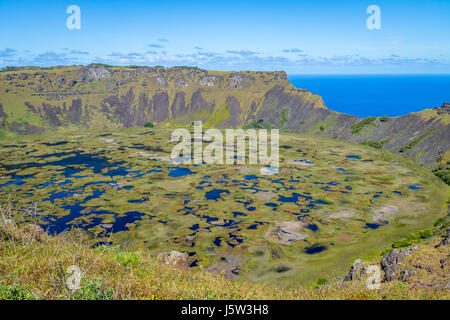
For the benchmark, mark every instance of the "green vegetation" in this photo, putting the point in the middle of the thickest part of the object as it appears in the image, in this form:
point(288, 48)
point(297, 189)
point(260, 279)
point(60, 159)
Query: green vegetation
point(443, 173)
point(93, 290)
point(439, 228)
point(374, 144)
point(357, 127)
point(255, 124)
point(284, 116)
point(412, 144)
point(384, 119)
point(148, 125)
point(35, 269)
point(134, 178)
point(15, 292)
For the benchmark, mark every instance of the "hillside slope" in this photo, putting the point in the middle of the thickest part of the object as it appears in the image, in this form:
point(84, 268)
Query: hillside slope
point(36, 99)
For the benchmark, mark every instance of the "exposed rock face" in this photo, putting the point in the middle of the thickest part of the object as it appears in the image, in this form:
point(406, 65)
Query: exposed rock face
point(445, 109)
point(391, 263)
point(3, 116)
point(235, 111)
point(210, 80)
point(239, 80)
point(74, 112)
point(28, 232)
point(161, 80)
point(181, 82)
point(174, 259)
point(86, 96)
point(356, 272)
point(95, 72)
point(23, 128)
point(424, 265)
point(445, 240)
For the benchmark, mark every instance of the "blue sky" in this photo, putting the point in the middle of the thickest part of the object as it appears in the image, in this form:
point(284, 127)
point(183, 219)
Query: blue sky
point(312, 37)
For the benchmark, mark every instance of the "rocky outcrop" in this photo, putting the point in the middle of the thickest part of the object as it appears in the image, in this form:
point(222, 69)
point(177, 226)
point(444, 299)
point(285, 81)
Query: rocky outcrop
point(210, 80)
point(27, 232)
point(24, 128)
point(356, 272)
point(444, 109)
point(445, 239)
point(95, 72)
point(392, 262)
point(174, 259)
point(161, 81)
point(239, 80)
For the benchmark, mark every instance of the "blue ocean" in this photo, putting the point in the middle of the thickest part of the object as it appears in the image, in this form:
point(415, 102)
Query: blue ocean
point(377, 95)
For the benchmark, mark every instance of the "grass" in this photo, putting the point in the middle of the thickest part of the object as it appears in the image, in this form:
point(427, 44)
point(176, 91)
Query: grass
point(34, 268)
point(413, 143)
point(418, 209)
point(374, 144)
point(357, 127)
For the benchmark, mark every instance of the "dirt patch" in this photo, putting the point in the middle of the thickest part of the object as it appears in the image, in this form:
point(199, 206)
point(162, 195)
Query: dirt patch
point(381, 214)
point(285, 232)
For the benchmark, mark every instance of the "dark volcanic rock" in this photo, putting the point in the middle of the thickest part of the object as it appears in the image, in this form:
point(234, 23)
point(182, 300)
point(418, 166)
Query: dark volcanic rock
point(178, 107)
point(444, 109)
point(120, 109)
point(50, 115)
point(445, 240)
point(74, 113)
point(31, 108)
point(198, 104)
point(160, 107)
point(235, 111)
point(3, 116)
point(25, 128)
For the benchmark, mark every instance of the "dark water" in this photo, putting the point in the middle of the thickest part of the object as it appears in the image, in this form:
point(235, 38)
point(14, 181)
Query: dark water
point(377, 95)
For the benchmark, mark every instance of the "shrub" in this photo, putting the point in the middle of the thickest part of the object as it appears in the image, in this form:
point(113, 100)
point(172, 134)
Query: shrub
point(384, 118)
point(255, 124)
point(320, 282)
point(412, 144)
point(127, 258)
point(15, 292)
point(93, 290)
point(148, 125)
point(357, 127)
point(374, 144)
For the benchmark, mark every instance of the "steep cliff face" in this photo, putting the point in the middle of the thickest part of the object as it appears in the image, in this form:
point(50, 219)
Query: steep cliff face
point(97, 96)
